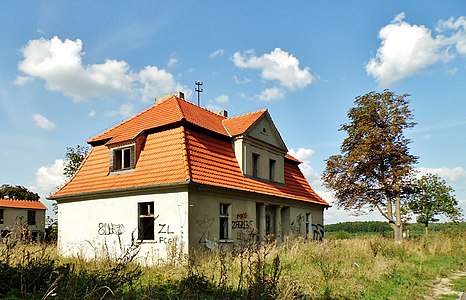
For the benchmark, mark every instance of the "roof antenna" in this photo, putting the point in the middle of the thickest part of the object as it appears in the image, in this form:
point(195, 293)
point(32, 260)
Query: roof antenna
point(199, 90)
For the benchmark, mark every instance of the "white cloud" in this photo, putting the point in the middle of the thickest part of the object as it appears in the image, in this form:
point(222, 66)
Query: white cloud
point(22, 80)
point(456, 174)
point(304, 155)
point(405, 50)
point(222, 99)
point(48, 178)
point(60, 65)
point(270, 94)
point(157, 81)
point(216, 53)
point(43, 122)
point(241, 81)
point(277, 65)
point(214, 108)
point(91, 113)
point(124, 111)
point(172, 62)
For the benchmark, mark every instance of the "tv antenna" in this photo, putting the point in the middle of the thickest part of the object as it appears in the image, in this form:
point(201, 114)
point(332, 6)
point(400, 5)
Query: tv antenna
point(199, 90)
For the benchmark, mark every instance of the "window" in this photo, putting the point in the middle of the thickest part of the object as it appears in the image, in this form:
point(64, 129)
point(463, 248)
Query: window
point(255, 164)
point(31, 217)
point(146, 221)
point(1, 216)
point(123, 159)
point(272, 170)
point(224, 221)
point(308, 224)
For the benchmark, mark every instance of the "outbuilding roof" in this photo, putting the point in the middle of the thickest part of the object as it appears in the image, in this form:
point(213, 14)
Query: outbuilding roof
point(25, 204)
point(184, 143)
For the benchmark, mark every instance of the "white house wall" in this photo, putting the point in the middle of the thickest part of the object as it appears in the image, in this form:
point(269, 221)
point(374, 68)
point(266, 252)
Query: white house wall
point(109, 227)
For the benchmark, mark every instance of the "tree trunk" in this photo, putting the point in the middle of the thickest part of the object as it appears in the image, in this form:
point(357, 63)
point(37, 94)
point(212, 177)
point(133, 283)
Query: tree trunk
point(397, 232)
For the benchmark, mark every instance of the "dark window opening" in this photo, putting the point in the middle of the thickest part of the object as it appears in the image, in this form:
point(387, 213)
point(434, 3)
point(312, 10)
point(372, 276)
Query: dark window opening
point(224, 221)
point(255, 164)
point(146, 221)
point(31, 217)
point(272, 170)
point(1, 216)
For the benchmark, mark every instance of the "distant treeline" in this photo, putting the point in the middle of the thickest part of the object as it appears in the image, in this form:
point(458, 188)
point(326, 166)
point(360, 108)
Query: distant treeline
point(384, 227)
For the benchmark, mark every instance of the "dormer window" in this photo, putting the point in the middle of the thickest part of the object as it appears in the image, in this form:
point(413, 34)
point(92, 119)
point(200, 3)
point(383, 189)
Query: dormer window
point(122, 158)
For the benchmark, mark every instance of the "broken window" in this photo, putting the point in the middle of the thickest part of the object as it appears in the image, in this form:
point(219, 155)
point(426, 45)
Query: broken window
point(146, 221)
point(224, 221)
point(1, 216)
point(123, 159)
point(31, 217)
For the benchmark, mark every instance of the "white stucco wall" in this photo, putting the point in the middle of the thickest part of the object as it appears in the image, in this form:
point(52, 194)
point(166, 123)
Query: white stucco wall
point(109, 226)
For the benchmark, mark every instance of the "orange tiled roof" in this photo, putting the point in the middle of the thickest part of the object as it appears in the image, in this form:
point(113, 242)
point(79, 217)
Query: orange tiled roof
point(26, 204)
point(181, 155)
point(240, 124)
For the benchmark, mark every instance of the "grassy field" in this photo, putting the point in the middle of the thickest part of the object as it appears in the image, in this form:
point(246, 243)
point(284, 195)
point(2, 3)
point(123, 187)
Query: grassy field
point(359, 268)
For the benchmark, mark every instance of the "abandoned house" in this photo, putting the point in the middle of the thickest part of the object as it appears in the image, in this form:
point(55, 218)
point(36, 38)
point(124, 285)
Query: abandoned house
point(179, 175)
point(22, 219)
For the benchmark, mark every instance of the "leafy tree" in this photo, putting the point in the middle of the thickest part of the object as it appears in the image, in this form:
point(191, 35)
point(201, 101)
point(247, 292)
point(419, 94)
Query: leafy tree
point(433, 197)
point(74, 157)
point(374, 169)
point(17, 192)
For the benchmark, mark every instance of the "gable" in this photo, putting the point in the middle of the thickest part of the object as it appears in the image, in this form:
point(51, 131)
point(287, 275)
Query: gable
point(264, 130)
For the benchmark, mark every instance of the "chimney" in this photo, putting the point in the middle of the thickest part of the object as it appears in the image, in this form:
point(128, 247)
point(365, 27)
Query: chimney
point(180, 95)
point(223, 113)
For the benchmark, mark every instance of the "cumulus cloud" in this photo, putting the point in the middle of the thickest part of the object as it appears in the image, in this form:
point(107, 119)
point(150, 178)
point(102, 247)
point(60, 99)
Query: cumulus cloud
point(43, 122)
point(277, 65)
point(22, 80)
point(222, 99)
point(455, 175)
point(125, 110)
point(59, 63)
point(216, 53)
point(48, 178)
point(304, 155)
point(270, 94)
point(407, 49)
point(172, 62)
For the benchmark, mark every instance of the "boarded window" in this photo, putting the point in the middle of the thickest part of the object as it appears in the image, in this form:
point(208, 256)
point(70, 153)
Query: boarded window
point(31, 217)
point(146, 221)
point(224, 221)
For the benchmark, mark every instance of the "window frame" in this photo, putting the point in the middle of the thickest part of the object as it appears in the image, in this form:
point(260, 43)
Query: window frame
point(309, 230)
point(225, 222)
point(145, 217)
point(122, 158)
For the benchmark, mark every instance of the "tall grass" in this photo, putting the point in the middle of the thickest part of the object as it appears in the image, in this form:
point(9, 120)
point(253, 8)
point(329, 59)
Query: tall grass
point(360, 268)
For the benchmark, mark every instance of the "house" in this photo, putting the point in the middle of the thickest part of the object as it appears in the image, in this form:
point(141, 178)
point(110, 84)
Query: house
point(179, 176)
point(22, 219)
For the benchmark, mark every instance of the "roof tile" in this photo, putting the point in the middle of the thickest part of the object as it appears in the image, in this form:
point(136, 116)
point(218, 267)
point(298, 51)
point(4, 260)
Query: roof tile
point(25, 204)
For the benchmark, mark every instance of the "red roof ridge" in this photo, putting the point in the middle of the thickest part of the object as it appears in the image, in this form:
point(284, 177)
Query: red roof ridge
point(19, 203)
point(292, 158)
point(124, 121)
point(249, 113)
point(196, 106)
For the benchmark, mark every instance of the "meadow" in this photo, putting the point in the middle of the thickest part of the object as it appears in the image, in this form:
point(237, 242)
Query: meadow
point(364, 267)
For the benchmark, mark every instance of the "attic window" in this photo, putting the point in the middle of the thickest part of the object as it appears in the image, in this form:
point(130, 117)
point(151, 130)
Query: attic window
point(122, 159)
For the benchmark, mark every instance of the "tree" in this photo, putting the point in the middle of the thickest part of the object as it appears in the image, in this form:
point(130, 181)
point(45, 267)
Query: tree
point(374, 170)
point(433, 197)
point(17, 192)
point(74, 157)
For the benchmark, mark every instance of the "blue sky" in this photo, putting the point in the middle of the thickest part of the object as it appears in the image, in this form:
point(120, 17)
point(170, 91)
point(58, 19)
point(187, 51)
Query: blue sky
point(70, 69)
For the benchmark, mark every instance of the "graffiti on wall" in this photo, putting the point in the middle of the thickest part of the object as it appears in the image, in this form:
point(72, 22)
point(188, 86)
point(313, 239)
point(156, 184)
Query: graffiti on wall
point(243, 226)
point(205, 225)
point(295, 225)
point(111, 228)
